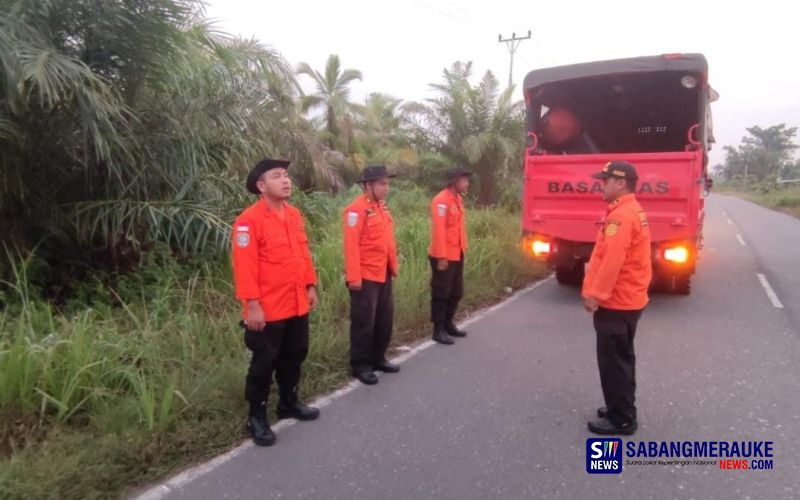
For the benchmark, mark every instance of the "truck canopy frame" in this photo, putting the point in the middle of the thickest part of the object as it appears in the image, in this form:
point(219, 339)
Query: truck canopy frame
point(626, 105)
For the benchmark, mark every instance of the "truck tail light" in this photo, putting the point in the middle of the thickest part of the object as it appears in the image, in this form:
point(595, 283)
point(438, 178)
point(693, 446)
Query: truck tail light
point(537, 245)
point(540, 248)
point(677, 255)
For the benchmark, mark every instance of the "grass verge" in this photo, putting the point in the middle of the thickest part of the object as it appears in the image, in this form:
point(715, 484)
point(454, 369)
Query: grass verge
point(133, 380)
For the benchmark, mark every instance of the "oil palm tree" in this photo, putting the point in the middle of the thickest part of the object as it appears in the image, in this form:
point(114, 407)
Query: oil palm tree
point(477, 125)
point(123, 122)
point(381, 132)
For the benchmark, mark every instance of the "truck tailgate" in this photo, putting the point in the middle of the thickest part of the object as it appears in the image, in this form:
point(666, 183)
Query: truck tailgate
point(561, 199)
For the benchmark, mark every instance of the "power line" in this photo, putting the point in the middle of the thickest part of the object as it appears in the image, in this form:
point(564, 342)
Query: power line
point(451, 16)
point(526, 61)
point(544, 50)
point(470, 13)
point(488, 25)
point(477, 20)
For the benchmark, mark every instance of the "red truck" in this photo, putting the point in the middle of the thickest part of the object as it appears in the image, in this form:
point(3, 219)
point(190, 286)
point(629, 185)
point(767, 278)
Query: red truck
point(653, 112)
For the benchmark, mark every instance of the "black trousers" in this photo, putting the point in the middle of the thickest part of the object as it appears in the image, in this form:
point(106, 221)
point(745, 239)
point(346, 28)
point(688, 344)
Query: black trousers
point(617, 362)
point(371, 323)
point(447, 289)
point(281, 346)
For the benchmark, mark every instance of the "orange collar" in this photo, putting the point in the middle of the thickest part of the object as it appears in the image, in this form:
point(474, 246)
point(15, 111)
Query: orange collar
point(621, 201)
point(271, 210)
point(453, 194)
point(371, 202)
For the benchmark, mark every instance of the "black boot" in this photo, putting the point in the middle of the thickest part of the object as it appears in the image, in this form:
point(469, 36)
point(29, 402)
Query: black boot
point(453, 330)
point(440, 335)
point(386, 367)
point(259, 427)
point(605, 427)
point(366, 376)
point(290, 406)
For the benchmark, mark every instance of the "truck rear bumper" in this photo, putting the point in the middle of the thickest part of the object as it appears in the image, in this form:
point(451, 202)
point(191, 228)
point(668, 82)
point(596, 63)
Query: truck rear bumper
point(670, 259)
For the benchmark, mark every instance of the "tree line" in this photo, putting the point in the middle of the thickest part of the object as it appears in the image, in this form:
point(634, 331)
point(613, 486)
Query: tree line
point(765, 154)
point(128, 122)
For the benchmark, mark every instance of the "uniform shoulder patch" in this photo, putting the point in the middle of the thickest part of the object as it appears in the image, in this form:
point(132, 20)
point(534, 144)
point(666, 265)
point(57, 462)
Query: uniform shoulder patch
point(612, 226)
point(441, 209)
point(242, 229)
point(242, 239)
point(643, 219)
point(352, 219)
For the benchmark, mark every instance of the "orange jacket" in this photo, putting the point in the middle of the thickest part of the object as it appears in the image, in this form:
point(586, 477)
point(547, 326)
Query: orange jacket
point(369, 246)
point(449, 236)
point(620, 268)
point(271, 261)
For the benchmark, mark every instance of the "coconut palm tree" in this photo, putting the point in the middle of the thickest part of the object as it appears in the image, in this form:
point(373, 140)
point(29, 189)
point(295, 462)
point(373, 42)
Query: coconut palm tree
point(332, 93)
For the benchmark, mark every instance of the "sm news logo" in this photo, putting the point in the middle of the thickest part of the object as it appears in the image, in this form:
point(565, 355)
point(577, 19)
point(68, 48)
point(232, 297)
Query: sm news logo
point(603, 456)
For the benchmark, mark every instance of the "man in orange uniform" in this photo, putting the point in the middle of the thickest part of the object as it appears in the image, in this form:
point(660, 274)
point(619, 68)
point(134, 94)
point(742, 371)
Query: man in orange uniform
point(615, 290)
point(276, 282)
point(370, 255)
point(446, 254)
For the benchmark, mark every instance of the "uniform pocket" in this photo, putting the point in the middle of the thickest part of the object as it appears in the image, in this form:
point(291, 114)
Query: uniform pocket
point(277, 247)
point(608, 322)
point(373, 228)
point(255, 340)
point(302, 236)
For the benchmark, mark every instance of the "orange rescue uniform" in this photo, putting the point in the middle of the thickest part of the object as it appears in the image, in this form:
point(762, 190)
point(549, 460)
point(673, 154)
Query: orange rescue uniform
point(449, 235)
point(369, 245)
point(272, 261)
point(620, 268)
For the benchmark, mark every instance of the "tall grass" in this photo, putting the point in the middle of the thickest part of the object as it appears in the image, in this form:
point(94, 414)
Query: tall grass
point(783, 198)
point(145, 372)
point(786, 199)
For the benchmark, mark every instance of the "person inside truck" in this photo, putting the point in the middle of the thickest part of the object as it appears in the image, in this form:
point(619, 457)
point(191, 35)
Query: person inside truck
point(562, 133)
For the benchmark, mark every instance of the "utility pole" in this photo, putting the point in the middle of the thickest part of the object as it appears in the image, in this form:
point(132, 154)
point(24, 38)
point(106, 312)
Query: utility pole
point(744, 181)
point(512, 44)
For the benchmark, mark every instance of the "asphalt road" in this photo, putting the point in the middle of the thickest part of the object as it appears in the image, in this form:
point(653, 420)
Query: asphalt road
point(503, 413)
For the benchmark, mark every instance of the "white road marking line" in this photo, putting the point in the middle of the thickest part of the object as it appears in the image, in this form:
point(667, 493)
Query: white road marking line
point(182, 479)
point(741, 240)
point(773, 297)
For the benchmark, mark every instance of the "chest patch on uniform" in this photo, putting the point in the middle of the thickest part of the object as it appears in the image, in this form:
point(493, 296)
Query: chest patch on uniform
point(352, 219)
point(643, 219)
point(612, 227)
point(242, 240)
point(441, 209)
point(454, 210)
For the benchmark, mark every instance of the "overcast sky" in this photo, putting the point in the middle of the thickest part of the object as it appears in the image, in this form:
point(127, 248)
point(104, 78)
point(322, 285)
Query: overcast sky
point(402, 46)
